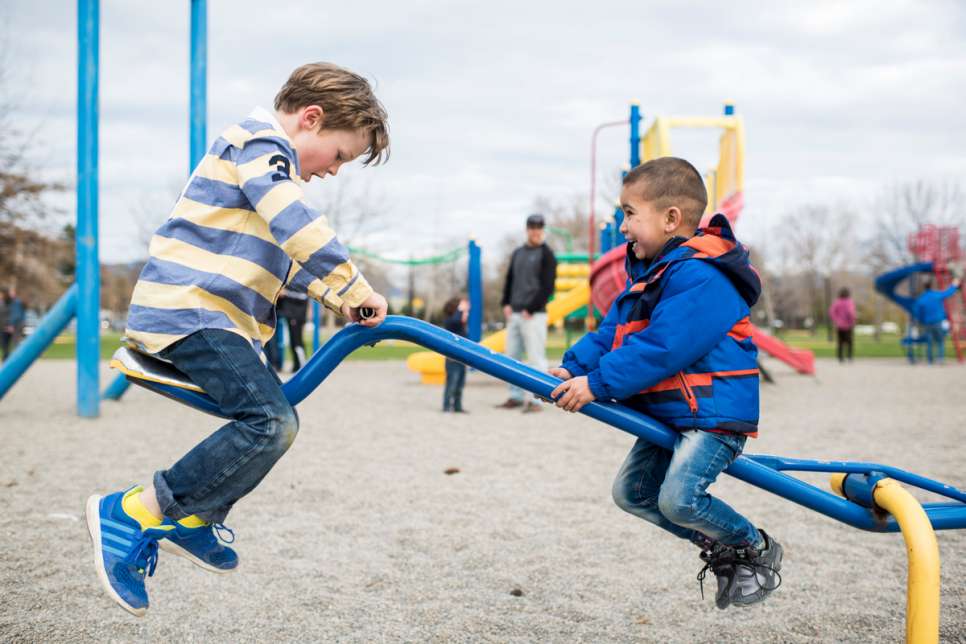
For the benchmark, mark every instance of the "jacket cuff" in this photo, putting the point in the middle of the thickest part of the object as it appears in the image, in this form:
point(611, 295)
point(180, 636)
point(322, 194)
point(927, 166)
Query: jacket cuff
point(597, 387)
point(573, 367)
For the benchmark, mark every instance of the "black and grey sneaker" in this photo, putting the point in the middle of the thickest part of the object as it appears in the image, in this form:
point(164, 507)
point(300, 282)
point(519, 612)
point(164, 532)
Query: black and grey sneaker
point(756, 573)
point(720, 560)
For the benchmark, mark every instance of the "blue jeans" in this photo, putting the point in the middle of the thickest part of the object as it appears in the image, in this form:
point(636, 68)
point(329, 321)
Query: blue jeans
point(669, 489)
point(453, 391)
point(934, 334)
point(230, 463)
point(529, 336)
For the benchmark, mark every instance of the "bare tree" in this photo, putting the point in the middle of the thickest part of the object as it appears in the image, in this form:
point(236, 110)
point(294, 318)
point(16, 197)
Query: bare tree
point(818, 240)
point(567, 222)
point(353, 208)
point(904, 208)
point(25, 251)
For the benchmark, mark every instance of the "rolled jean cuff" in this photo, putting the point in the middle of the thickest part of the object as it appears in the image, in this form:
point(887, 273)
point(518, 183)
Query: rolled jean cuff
point(169, 507)
point(173, 510)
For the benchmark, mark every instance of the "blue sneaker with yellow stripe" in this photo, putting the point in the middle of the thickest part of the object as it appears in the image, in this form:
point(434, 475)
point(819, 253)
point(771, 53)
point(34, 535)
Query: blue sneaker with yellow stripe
point(124, 554)
point(200, 543)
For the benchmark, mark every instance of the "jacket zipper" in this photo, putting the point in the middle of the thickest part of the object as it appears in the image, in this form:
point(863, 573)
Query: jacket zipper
point(688, 394)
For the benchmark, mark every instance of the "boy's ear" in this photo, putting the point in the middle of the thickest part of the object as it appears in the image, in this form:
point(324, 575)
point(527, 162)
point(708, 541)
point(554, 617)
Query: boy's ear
point(673, 218)
point(312, 117)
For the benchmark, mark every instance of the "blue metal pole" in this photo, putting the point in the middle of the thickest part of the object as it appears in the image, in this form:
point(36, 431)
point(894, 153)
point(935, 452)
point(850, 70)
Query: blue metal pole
point(635, 122)
point(605, 238)
point(317, 322)
point(475, 323)
point(199, 83)
point(88, 265)
point(757, 470)
point(197, 123)
point(30, 349)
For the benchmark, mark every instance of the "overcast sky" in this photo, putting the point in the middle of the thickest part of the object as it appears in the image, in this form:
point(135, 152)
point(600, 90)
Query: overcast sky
point(492, 104)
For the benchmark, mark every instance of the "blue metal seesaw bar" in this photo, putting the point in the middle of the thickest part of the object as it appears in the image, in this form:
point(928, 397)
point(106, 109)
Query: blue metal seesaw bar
point(762, 471)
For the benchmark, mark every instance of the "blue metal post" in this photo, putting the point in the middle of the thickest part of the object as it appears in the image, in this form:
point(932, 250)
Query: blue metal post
point(197, 122)
point(199, 84)
point(605, 238)
point(30, 349)
point(317, 322)
point(475, 278)
point(88, 265)
point(635, 122)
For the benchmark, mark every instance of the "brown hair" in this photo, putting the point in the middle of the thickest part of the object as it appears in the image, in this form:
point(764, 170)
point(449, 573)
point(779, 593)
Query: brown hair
point(346, 99)
point(670, 181)
point(452, 304)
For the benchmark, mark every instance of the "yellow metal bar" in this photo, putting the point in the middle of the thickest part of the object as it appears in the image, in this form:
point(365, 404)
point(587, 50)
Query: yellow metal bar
point(726, 122)
point(923, 583)
point(922, 587)
point(838, 484)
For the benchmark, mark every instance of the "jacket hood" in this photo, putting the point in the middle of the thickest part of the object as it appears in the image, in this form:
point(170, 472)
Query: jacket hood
point(715, 244)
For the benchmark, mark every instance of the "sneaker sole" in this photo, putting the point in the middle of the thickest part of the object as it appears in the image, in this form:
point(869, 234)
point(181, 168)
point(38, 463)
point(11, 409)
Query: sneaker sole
point(175, 549)
point(93, 513)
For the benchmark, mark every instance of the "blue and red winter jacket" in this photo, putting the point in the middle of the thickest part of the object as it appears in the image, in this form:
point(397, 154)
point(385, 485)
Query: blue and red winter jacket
point(676, 343)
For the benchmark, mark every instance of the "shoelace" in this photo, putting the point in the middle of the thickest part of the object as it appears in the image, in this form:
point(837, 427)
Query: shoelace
point(221, 527)
point(716, 559)
point(144, 555)
point(743, 558)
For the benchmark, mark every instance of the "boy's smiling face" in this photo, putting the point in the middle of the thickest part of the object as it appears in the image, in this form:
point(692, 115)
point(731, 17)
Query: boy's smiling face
point(646, 226)
point(322, 152)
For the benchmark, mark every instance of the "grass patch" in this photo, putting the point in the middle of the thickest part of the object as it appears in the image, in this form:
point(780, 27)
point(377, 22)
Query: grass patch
point(888, 346)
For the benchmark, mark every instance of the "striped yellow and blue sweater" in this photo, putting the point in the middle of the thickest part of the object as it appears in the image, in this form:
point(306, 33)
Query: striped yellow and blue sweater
point(239, 232)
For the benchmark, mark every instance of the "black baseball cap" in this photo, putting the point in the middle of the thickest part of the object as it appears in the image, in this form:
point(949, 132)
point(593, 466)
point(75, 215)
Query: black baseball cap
point(535, 221)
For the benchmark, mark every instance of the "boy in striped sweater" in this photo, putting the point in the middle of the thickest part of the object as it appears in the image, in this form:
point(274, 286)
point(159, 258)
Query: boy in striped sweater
point(205, 301)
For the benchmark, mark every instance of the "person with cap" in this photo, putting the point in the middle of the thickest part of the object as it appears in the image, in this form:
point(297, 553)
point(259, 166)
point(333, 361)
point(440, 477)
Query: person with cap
point(529, 285)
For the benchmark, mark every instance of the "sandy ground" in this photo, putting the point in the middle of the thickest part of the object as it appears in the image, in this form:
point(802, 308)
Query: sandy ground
point(358, 535)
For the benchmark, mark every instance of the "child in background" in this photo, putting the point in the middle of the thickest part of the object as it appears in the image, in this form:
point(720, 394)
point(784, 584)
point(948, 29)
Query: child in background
point(455, 312)
point(842, 314)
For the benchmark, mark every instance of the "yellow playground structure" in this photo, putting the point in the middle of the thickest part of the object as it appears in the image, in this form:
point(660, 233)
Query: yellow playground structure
point(726, 181)
point(572, 293)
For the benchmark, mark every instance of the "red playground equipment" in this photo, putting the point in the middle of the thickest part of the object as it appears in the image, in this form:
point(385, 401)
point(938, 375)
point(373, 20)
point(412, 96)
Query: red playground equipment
point(725, 184)
point(940, 245)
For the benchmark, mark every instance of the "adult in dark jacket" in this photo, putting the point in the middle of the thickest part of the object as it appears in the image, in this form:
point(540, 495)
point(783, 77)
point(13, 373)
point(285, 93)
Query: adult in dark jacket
point(529, 285)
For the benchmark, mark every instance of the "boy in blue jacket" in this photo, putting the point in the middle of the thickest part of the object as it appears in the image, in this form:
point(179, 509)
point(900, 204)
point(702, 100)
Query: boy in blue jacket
point(676, 345)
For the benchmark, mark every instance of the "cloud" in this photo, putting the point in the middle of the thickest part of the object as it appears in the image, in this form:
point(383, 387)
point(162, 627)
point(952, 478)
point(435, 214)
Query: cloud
point(493, 103)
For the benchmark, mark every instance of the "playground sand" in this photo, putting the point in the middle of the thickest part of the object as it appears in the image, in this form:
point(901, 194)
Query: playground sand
point(359, 535)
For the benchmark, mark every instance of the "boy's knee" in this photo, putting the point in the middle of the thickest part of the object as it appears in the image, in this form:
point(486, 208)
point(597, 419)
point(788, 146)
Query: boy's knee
point(623, 493)
point(282, 426)
point(629, 496)
point(676, 505)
